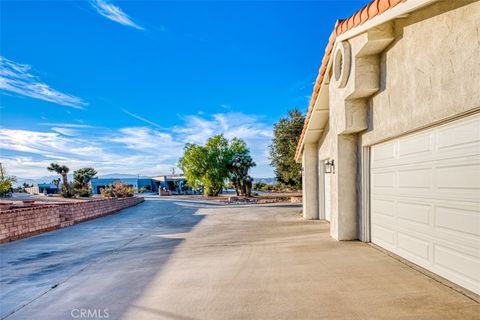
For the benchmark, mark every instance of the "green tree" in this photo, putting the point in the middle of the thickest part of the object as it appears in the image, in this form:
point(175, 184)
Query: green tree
point(282, 151)
point(82, 177)
point(6, 182)
point(239, 167)
point(207, 166)
point(61, 170)
point(81, 180)
point(56, 182)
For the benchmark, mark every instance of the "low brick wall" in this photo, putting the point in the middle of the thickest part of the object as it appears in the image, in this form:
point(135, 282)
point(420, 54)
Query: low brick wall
point(24, 222)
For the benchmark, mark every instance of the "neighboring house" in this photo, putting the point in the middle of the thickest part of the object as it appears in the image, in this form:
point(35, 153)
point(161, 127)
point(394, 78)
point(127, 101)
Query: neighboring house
point(391, 143)
point(42, 188)
point(168, 182)
point(175, 182)
point(137, 183)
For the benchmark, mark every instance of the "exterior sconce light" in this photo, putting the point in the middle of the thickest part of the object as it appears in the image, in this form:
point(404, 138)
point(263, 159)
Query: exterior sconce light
point(301, 171)
point(330, 167)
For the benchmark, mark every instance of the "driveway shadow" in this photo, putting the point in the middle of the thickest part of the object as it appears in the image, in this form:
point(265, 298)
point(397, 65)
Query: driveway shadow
point(100, 265)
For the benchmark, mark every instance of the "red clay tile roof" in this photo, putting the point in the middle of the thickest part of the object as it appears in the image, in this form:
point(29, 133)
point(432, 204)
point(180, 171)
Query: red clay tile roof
point(374, 8)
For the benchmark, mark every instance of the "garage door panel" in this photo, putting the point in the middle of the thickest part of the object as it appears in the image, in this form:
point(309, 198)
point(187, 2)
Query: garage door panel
point(457, 262)
point(384, 153)
point(384, 207)
point(414, 229)
point(384, 222)
point(415, 178)
point(425, 199)
point(441, 197)
point(384, 180)
point(458, 135)
point(466, 176)
point(411, 245)
point(415, 212)
point(416, 145)
point(464, 222)
point(384, 235)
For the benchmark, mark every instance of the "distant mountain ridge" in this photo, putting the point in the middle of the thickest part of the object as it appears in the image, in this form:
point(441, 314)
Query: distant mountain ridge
point(265, 180)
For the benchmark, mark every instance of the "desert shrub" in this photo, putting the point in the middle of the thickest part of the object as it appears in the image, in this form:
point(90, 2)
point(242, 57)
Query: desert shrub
point(142, 190)
point(266, 187)
point(117, 190)
point(259, 185)
point(67, 191)
point(83, 192)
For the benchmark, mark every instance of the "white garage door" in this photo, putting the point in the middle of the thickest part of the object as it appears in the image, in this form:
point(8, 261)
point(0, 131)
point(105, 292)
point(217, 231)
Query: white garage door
point(425, 199)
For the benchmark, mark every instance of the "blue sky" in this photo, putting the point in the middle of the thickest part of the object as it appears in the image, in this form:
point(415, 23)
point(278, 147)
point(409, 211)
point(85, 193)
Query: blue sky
point(122, 85)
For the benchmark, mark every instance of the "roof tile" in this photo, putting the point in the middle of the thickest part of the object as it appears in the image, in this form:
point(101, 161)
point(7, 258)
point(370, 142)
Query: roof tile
point(338, 27)
point(333, 35)
point(383, 5)
point(350, 22)
point(372, 9)
point(322, 73)
point(364, 14)
point(325, 60)
point(356, 19)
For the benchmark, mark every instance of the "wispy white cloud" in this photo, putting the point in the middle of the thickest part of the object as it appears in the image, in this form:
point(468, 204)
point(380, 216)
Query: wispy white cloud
point(114, 13)
point(198, 129)
point(145, 150)
point(148, 140)
point(136, 116)
point(66, 125)
point(16, 78)
point(251, 128)
point(66, 131)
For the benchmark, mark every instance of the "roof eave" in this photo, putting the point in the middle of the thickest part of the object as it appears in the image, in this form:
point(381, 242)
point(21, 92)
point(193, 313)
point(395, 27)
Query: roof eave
point(346, 29)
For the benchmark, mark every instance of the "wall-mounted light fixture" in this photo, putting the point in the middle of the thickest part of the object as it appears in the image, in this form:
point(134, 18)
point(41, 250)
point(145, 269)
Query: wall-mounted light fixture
point(330, 166)
point(302, 170)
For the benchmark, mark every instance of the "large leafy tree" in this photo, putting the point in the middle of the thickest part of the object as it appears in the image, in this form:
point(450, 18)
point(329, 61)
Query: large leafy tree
point(209, 166)
point(282, 151)
point(82, 176)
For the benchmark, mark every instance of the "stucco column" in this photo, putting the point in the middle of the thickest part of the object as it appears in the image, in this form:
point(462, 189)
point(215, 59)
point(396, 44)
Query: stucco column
point(344, 206)
point(310, 181)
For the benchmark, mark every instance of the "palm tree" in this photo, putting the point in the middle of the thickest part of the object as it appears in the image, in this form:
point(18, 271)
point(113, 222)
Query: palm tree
point(61, 170)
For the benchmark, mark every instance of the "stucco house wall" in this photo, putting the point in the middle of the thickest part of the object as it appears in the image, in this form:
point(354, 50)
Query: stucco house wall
point(431, 71)
point(428, 72)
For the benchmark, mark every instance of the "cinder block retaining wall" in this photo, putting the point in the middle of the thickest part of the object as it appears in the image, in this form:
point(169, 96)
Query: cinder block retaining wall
point(24, 222)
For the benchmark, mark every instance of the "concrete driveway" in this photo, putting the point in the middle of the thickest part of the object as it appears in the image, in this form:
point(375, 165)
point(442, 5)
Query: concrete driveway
point(169, 259)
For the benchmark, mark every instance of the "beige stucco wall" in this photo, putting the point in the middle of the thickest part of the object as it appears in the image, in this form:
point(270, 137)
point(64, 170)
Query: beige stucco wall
point(429, 72)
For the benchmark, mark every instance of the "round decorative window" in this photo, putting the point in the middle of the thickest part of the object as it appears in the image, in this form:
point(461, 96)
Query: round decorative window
point(341, 64)
point(338, 64)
